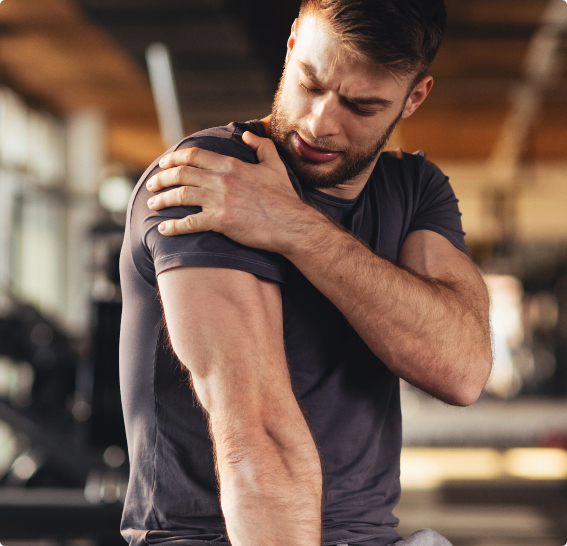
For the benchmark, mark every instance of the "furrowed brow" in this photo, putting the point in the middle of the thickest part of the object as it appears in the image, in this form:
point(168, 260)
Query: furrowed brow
point(309, 72)
point(356, 101)
point(368, 101)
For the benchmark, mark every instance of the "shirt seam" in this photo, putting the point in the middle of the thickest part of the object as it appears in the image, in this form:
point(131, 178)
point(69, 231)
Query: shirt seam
point(219, 254)
point(154, 484)
point(317, 197)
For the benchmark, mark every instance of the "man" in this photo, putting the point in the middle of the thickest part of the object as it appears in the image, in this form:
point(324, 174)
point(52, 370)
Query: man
point(297, 287)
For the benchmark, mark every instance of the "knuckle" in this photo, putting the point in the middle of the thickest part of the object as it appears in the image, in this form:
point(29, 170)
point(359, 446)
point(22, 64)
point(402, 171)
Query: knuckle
point(232, 164)
point(178, 174)
point(182, 194)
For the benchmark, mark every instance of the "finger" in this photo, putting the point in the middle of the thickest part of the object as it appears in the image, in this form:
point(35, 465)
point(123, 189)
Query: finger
point(194, 157)
point(183, 196)
point(179, 176)
point(193, 223)
point(419, 152)
point(264, 147)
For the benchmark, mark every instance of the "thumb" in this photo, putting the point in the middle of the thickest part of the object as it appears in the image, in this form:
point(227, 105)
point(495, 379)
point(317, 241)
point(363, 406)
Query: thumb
point(264, 147)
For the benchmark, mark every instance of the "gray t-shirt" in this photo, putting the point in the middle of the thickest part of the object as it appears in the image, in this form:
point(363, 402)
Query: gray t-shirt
point(350, 398)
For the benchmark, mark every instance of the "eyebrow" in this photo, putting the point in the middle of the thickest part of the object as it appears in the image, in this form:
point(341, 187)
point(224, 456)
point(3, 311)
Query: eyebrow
point(310, 73)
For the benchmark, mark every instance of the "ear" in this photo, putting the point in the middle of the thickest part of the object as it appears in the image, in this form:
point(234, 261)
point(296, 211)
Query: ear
point(291, 40)
point(417, 96)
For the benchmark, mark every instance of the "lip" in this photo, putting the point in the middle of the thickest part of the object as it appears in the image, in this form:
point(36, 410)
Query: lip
point(318, 155)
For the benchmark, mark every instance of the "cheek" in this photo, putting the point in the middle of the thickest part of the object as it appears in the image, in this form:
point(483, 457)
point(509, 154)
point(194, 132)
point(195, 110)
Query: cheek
point(296, 106)
point(362, 137)
point(364, 133)
point(289, 99)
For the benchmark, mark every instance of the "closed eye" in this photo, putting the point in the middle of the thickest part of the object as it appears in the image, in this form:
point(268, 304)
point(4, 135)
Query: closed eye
point(358, 110)
point(309, 89)
point(353, 107)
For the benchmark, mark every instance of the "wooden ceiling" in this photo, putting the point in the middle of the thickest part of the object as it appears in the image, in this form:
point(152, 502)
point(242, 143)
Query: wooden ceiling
point(62, 62)
point(71, 54)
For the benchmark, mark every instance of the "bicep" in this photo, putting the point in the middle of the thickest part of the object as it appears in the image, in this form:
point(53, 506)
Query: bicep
point(431, 255)
point(225, 326)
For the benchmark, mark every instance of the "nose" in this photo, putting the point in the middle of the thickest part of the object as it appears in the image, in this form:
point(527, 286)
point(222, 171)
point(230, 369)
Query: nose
point(323, 120)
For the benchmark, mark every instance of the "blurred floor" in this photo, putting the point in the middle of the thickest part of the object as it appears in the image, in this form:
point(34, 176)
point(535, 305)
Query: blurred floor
point(495, 514)
point(488, 482)
point(511, 512)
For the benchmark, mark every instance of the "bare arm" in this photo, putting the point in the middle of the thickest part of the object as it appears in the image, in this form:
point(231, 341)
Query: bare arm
point(226, 328)
point(427, 319)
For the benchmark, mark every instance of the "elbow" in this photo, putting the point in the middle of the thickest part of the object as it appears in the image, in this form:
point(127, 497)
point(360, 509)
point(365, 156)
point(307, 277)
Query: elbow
point(464, 396)
point(470, 386)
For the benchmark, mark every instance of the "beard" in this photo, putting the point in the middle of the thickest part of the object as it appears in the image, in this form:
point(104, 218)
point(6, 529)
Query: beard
point(353, 162)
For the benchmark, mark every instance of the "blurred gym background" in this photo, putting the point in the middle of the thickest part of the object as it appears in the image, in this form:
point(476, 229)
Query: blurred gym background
point(85, 86)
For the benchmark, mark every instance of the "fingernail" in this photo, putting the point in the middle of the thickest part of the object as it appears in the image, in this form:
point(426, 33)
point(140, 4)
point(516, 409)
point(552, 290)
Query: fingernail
point(150, 184)
point(162, 162)
point(161, 227)
point(151, 201)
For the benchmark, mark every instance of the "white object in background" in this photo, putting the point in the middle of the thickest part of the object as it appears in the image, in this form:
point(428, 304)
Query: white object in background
point(507, 332)
point(86, 138)
point(114, 193)
point(165, 95)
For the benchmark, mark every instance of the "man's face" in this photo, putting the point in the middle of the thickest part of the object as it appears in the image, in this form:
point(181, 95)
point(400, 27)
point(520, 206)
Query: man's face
point(332, 115)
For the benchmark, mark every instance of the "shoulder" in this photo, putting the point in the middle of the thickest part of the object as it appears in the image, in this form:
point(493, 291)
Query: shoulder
point(226, 140)
point(411, 169)
point(157, 253)
point(413, 177)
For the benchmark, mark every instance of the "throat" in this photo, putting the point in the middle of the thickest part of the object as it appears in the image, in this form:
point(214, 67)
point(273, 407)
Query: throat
point(266, 122)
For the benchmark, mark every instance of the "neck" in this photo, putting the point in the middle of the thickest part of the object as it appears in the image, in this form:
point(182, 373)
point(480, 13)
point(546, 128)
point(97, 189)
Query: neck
point(352, 188)
point(266, 122)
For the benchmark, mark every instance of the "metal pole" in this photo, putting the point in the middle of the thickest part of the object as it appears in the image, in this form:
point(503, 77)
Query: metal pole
point(165, 96)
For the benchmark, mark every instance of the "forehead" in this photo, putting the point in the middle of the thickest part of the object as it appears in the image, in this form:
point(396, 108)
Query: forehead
point(317, 47)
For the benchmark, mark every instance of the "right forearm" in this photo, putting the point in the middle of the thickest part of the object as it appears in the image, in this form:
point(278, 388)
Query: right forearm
point(270, 482)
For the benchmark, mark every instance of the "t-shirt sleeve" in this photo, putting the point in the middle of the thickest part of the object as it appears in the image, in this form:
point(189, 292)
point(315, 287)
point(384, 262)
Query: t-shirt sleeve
point(437, 208)
point(204, 249)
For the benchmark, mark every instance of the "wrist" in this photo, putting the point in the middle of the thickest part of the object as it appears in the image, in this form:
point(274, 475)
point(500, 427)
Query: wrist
point(306, 226)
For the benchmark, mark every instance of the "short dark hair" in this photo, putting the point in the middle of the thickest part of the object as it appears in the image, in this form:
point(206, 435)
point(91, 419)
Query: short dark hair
point(403, 36)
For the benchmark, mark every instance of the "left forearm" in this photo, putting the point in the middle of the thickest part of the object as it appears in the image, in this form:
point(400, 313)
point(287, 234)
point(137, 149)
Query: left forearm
point(431, 333)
